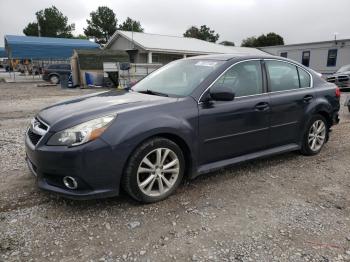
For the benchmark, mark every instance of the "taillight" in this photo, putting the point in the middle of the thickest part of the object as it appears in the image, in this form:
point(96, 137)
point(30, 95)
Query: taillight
point(337, 92)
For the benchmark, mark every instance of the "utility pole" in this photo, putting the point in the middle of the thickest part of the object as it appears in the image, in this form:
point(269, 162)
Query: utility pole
point(39, 29)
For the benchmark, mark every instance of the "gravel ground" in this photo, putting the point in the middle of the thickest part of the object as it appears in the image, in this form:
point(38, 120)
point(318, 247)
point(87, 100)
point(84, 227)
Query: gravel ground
point(284, 208)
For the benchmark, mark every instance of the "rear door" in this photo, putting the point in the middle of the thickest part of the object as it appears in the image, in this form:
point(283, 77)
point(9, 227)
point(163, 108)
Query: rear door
point(290, 94)
point(232, 128)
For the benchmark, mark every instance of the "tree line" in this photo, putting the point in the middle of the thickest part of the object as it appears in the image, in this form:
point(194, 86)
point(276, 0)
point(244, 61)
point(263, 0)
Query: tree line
point(103, 22)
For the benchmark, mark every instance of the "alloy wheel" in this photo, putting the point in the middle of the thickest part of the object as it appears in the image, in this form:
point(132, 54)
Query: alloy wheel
point(158, 172)
point(317, 135)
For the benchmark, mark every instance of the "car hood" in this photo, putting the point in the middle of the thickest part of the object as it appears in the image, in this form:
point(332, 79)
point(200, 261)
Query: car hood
point(340, 74)
point(84, 108)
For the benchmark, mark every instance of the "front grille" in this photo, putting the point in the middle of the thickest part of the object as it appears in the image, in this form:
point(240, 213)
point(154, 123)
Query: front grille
point(331, 79)
point(343, 78)
point(34, 138)
point(37, 130)
point(338, 79)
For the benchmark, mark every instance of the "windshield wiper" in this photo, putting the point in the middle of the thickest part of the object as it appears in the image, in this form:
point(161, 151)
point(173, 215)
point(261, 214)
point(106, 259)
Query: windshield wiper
point(151, 92)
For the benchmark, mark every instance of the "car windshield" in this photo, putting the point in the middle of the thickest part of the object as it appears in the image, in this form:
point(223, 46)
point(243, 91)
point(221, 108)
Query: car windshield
point(344, 69)
point(178, 78)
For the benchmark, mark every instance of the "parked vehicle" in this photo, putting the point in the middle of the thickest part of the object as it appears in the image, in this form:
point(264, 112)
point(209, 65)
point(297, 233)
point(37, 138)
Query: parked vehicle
point(52, 72)
point(341, 78)
point(347, 102)
point(189, 117)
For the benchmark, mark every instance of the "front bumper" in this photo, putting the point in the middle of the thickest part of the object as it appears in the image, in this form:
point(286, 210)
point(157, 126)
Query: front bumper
point(96, 166)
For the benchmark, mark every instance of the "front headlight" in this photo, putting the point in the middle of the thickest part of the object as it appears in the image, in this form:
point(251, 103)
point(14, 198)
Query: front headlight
point(81, 133)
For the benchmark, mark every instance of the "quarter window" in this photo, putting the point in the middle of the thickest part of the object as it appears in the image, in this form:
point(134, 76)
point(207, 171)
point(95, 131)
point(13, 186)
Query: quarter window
point(243, 79)
point(306, 58)
point(332, 57)
point(282, 76)
point(304, 77)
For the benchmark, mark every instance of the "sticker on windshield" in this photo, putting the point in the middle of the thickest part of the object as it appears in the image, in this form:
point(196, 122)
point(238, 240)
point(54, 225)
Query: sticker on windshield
point(206, 63)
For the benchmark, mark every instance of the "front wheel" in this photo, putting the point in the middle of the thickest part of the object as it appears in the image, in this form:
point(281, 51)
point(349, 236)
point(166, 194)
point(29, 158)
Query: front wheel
point(154, 170)
point(315, 136)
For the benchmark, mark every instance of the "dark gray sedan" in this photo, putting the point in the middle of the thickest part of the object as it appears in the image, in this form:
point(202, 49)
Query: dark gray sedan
point(189, 117)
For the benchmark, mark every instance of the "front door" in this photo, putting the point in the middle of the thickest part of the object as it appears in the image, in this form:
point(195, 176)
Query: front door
point(232, 128)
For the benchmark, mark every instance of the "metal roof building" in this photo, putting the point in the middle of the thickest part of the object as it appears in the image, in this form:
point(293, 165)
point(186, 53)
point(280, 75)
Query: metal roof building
point(154, 48)
point(31, 47)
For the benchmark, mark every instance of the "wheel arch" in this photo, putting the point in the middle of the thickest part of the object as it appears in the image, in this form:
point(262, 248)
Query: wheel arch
point(184, 148)
point(320, 108)
point(54, 74)
point(181, 142)
point(326, 115)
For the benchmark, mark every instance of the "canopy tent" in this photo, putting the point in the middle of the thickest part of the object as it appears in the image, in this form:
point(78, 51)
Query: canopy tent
point(31, 47)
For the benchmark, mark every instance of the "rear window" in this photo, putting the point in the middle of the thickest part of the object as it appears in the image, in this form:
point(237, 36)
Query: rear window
point(282, 76)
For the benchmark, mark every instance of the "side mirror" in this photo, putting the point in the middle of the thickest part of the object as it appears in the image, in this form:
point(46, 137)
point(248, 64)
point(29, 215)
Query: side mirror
point(221, 93)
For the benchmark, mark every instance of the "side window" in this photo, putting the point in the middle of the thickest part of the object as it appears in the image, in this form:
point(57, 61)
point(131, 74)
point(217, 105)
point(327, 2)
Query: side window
point(284, 54)
point(304, 77)
point(282, 76)
point(305, 60)
point(243, 79)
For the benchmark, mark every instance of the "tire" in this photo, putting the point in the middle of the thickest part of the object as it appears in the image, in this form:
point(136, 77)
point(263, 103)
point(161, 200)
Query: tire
point(316, 135)
point(154, 170)
point(54, 79)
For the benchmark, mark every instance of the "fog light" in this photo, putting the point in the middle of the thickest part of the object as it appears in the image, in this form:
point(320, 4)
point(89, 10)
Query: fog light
point(70, 182)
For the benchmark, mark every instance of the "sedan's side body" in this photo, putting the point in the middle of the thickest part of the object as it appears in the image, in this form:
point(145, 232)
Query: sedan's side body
point(210, 134)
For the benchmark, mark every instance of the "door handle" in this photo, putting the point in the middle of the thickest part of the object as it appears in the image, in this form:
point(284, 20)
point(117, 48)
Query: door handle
point(262, 106)
point(308, 98)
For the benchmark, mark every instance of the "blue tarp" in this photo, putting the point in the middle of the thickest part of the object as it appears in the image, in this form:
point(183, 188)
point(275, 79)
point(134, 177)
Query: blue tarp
point(32, 47)
point(2, 52)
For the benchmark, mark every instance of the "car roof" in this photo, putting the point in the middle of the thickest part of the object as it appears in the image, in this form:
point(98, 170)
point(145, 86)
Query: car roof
point(236, 58)
point(227, 57)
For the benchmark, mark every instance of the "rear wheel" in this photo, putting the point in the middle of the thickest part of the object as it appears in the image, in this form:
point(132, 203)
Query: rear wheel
point(315, 136)
point(54, 79)
point(154, 170)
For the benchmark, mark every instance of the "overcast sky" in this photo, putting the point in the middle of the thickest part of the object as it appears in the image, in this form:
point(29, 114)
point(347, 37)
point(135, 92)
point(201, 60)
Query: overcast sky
point(297, 21)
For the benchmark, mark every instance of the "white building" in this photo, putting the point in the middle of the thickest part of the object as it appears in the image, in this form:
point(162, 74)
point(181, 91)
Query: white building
point(154, 48)
point(324, 57)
